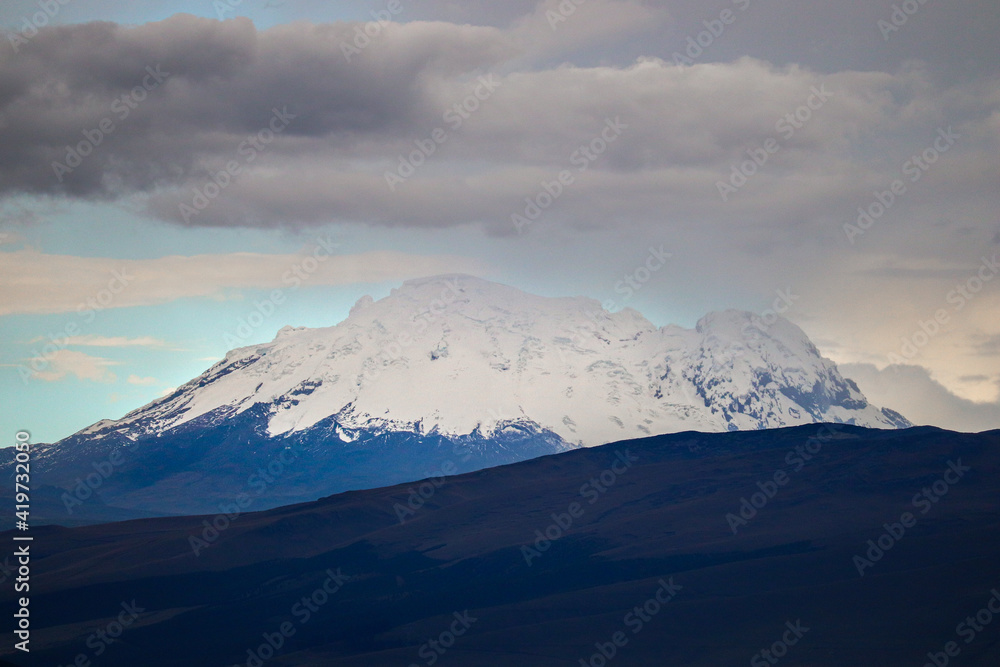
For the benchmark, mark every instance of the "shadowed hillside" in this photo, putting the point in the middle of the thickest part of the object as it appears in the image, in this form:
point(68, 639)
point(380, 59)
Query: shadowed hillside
point(627, 550)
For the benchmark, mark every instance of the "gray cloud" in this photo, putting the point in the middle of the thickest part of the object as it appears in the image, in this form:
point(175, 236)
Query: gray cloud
point(222, 80)
point(913, 392)
point(687, 126)
point(956, 39)
point(987, 346)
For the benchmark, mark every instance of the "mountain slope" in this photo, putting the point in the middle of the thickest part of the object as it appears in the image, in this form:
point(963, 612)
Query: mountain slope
point(454, 371)
point(661, 514)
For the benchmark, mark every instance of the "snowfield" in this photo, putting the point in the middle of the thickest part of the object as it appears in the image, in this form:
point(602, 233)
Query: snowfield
point(459, 355)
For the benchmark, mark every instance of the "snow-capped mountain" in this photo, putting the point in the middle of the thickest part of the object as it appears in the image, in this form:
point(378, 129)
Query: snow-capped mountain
point(475, 372)
point(456, 354)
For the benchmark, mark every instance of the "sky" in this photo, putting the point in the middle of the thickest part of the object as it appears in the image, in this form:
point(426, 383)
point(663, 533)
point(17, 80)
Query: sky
point(181, 178)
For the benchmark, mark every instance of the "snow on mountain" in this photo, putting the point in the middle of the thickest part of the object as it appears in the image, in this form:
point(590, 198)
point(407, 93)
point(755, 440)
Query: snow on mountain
point(458, 355)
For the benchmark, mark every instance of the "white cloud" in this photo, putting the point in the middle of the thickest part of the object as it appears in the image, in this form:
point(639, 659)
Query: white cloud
point(63, 363)
point(34, 282)
point(94, 340)
point(141, 381)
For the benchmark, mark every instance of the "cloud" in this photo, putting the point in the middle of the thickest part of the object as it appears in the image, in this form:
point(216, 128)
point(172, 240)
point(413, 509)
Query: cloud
point(63, 363)
point(912, 391)
point(684, 129)
point(988, 346)
point(558, 27)
point(958, 39)
point(34, 282)
point(94, 340)
point(9, 238)
point(687, 126)
point(182, 93)
point(141, 381)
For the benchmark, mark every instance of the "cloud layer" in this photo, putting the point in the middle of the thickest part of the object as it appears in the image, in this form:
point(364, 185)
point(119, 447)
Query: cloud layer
point(33, 282)
point(184, 111)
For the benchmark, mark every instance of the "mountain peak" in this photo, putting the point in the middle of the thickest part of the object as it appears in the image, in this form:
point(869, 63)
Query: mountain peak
point(461, 279)
point(456, 354)
point(754, 331)
point(729, 319)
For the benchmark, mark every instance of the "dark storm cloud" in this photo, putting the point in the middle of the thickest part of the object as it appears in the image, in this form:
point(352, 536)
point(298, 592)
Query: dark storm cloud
point(348, 119)
point(682, 130)
point(214, 81)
